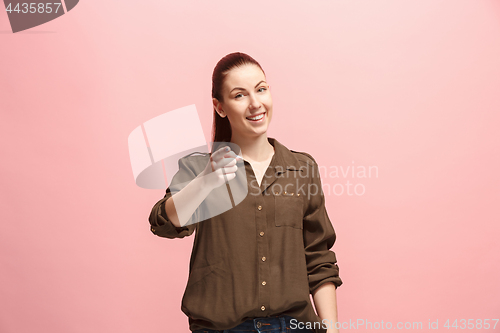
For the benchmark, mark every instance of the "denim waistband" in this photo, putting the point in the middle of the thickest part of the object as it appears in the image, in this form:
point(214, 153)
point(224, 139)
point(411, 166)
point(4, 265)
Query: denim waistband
point(260, 324)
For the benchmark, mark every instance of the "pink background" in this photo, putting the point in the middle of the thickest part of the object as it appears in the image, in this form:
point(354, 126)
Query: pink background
point(408, 86)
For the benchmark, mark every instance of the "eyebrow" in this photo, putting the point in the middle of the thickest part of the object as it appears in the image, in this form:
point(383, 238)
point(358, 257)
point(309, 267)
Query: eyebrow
point(244, 89)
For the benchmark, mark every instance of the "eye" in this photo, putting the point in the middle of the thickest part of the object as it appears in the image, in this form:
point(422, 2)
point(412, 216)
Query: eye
point(238, 95)
point(262, 89)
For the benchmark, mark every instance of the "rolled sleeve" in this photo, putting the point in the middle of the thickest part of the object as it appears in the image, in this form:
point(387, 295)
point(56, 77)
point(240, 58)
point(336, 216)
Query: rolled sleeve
point(161, 224)
point(319, 236)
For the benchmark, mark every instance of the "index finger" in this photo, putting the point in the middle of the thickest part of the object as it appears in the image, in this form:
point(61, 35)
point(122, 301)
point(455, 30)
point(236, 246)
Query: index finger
point(219, 153)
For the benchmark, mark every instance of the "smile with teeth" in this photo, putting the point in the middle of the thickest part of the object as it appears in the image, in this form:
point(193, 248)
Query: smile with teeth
point(256, 118)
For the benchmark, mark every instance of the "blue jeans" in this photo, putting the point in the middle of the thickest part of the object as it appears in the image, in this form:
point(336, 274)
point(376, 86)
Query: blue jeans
point(276, 324)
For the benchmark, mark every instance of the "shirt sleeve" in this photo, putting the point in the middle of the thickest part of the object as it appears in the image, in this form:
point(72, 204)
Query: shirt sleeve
point(319, 236)
point(159, 222)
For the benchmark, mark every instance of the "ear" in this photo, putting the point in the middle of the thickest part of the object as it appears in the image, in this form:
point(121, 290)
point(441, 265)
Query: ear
point(218, 107)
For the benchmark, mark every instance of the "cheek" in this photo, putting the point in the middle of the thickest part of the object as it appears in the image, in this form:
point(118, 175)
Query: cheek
point(235, 116)
point(269, 115)
point(268, 102)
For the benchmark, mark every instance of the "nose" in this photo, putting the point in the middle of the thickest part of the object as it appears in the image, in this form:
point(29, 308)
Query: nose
point(254, 102)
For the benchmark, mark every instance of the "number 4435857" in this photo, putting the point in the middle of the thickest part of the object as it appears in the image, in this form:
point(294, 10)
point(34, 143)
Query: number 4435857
point(34, 8)
point(472, 324)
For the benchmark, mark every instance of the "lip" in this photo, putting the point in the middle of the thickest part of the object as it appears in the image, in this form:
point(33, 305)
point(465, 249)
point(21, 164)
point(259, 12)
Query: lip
point(255, 115)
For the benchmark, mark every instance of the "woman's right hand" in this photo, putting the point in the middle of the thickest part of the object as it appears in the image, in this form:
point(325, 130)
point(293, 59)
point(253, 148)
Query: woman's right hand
point(221, 167)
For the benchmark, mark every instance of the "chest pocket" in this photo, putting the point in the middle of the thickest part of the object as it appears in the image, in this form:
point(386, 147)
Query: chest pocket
point(288, 211)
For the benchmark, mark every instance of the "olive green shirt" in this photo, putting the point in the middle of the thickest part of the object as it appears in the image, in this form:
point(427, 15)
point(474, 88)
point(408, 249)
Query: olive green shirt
point(265, 256)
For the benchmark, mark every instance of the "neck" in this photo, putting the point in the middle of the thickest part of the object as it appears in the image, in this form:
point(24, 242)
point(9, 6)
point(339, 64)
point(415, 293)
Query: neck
point(256, 149)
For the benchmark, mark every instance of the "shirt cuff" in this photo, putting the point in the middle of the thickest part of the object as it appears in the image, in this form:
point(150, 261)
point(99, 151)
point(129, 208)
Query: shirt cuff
point(162, 226)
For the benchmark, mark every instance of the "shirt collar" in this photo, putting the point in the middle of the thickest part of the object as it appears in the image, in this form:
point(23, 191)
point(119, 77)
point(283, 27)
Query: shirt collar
point(284, 158)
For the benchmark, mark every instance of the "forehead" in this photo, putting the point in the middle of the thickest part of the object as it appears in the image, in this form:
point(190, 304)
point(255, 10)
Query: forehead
point(246, 76)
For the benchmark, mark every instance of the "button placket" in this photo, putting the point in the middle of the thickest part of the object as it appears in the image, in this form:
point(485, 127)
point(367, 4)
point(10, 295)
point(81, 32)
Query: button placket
point(261, 216)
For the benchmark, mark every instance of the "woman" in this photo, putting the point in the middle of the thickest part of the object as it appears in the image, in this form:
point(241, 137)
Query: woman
point(254, 266)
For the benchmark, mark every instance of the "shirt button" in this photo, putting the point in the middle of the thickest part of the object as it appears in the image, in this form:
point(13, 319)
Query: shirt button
point(261, 233)
point(152, 229)
point(276, 193)
point(298, 194)
point(263, 258)
point(259, 324)
point(263, 308)
point(259, 207)
point(264, 283)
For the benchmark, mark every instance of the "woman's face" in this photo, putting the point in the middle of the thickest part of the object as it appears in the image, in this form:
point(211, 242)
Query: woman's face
point(247, 101)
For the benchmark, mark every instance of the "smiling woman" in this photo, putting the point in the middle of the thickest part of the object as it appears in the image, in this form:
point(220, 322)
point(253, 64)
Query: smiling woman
point(255, 265)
